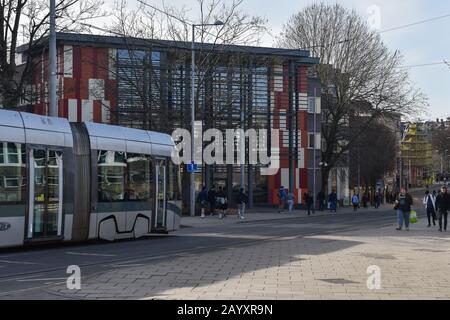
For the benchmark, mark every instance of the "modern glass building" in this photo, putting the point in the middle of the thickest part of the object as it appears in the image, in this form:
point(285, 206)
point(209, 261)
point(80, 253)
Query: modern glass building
point(146, 84)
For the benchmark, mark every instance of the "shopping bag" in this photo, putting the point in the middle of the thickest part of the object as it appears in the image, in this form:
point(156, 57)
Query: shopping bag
point(413, 217)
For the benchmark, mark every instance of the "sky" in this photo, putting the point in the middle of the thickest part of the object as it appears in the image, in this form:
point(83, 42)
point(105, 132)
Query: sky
point(420, 44)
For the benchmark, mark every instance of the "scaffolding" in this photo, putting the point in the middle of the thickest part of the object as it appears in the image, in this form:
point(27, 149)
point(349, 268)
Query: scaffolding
point(417, 155)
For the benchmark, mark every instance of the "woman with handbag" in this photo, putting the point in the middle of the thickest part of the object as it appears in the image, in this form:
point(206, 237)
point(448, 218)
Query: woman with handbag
point(403, 206)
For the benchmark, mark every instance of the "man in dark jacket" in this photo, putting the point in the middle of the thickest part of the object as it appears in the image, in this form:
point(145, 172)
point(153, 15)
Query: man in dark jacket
point(442, 207)
point(309, 203)
point(212, 200)
point(403, 205)
point(321, 199)
point(241, 200)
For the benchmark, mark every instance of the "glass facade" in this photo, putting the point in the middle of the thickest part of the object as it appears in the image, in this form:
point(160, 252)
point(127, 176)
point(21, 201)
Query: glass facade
point(139, 89)
point(226, 92)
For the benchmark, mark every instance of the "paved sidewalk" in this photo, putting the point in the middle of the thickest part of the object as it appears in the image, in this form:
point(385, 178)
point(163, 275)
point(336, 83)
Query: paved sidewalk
point(413, 265)
point(263, 214)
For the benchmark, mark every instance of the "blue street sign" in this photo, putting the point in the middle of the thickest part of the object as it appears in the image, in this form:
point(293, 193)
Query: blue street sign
point(192, 167)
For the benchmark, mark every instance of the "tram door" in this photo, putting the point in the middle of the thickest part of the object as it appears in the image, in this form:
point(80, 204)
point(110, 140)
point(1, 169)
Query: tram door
point(46, 193)
point(160, 209)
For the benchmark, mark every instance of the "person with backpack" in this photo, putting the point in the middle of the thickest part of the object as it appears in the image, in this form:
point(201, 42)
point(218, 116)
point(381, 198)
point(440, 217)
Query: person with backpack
point(332, 199)
point(203, 200)
point(281, 198)
point(242, 200)
point(355, 202)
point(429, 202)
point(403, 206)
point(442, 207)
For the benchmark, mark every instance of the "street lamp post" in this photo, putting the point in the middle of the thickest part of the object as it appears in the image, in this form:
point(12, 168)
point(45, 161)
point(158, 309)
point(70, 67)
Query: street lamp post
point(314, 151)
point(192, 188)
point(445, 157)
point(53, 111)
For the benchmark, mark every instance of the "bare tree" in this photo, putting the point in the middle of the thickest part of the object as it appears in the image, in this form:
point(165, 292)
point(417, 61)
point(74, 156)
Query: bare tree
point(216, 67)
point(26, 22)
point(369, 162)
point(355, 66)
point(152, 24)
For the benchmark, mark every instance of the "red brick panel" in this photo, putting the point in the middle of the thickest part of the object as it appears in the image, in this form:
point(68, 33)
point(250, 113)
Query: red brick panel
point(97, 106)
point(70, 88)
point(101, 61)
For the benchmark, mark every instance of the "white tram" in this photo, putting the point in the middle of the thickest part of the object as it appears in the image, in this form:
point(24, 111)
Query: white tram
point(62, 181)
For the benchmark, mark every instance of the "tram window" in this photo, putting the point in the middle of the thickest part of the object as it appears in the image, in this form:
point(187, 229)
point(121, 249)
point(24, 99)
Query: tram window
point(112, 167)
point(138, 178)
point(12, 173)
point(173, 180)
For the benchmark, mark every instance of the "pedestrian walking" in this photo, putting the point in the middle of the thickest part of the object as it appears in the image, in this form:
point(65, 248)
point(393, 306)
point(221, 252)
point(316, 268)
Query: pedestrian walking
point(355, 202)
point(290, 201)
point(309, 203)
point(377, 200)
point(365, 199)
point(203, 201)
point(212, 200)
point(442, 207)
point(429, 202)
point(403, 206)
point(281, 198)
point(222, 202)
point(242, 201)
point(321, 199)
point(332, 200)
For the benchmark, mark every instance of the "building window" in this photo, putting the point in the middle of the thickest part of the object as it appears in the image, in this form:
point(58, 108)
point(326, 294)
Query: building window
point(314, 140)
point(310, 140)
point(12, 173)
point(311, 105)
point(139, 86)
